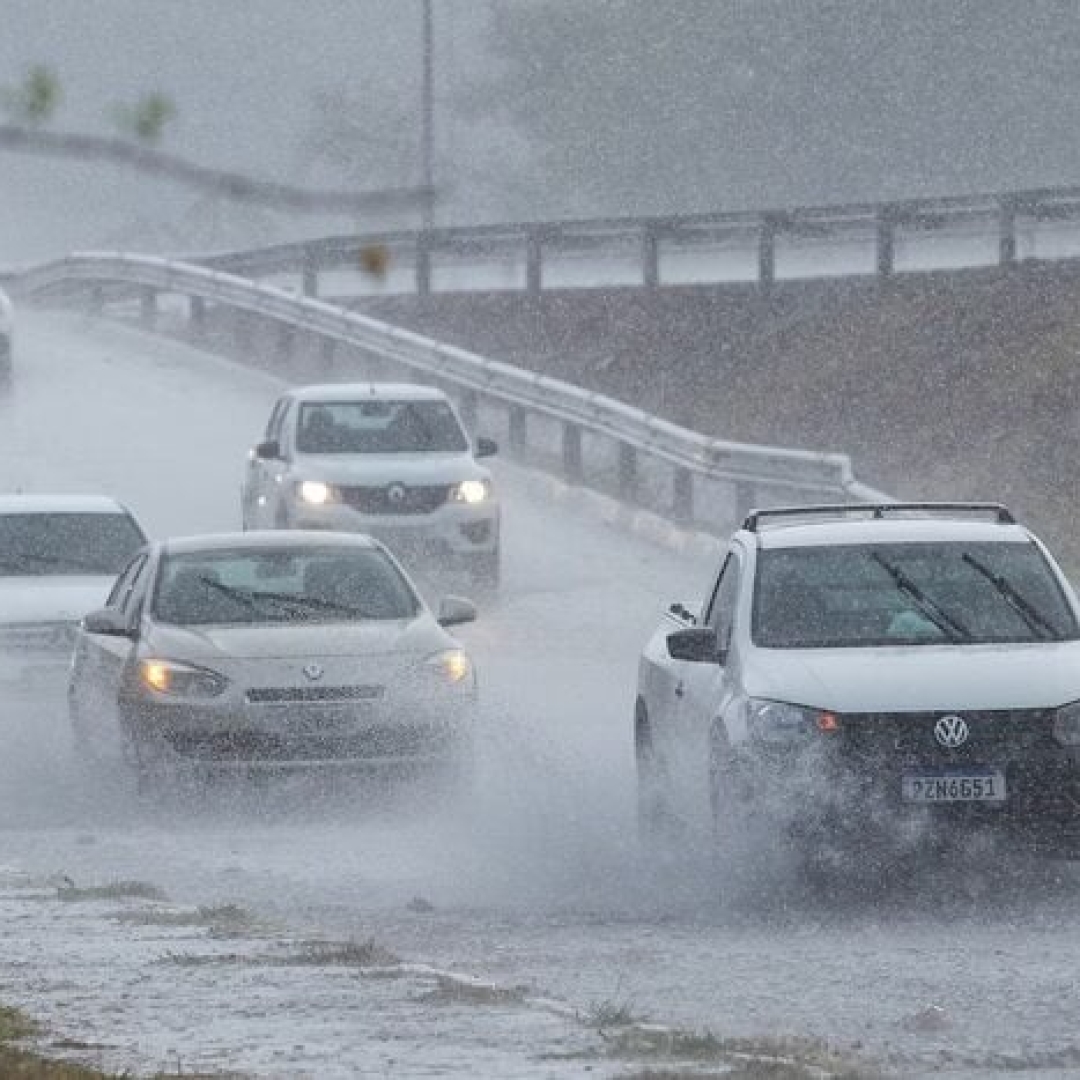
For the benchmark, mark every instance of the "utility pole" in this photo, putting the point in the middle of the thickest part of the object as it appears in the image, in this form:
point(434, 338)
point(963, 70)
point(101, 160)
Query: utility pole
point(427, 118)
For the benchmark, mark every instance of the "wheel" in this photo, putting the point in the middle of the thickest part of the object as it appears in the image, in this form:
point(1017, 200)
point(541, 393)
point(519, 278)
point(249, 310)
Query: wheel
point(657, 824)
point(485, 571)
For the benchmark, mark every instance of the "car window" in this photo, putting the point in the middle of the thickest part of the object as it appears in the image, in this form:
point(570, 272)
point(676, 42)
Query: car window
point(273, 425)
point(125, 581)
point(908, 594)
point(281, 585)
point(378, 426)
point(43, 544)
point(721, 612)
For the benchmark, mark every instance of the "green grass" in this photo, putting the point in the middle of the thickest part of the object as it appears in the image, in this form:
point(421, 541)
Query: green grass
point(462, 992)
point(114, 890)
point(222, 920)
point(19, 1063)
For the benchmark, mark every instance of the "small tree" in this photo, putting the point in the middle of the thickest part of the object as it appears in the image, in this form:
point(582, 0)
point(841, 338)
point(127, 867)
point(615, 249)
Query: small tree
point(145, 121)
point(35, 101)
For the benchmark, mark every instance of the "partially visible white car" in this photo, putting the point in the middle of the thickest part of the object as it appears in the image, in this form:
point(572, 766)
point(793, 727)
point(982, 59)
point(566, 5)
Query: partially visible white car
point(273, 652)
point(391, 460)
point(59, 557)
point(7, 334)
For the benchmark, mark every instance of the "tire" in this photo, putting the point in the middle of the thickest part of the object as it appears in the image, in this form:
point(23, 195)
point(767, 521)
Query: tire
point(657, 824)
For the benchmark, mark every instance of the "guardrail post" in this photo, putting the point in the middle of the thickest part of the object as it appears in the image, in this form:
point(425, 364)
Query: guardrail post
point(744, 498)
point(767, 252)
point(196, 316)
point(885, 246)
point(327, 348)
point(650, 259)
point(534, 265)
point(148, 308)
point(311, 274)
point(518, 422)
point(469, 407)
point(1007, 233)
point(286, 335)
point(423, 264)
point(628, 473)
point(96, 301)
point(682, 496)
point(571, 452)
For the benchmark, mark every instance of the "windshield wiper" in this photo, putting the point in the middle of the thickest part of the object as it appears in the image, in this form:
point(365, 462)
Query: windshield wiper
point(311, 602)
point(953, 630)
point(38, 558)
point(1036, 622)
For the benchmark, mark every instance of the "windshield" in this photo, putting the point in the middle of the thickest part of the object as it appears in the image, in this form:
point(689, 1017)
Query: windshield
point(67, 543)
point(317, 585)
point(378, 427)
point(908, 594)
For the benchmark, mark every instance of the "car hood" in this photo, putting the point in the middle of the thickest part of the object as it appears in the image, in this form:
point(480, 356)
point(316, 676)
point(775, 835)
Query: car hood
point(51, 598)
point(421, 635)
point(377, 470)
point(919, 678)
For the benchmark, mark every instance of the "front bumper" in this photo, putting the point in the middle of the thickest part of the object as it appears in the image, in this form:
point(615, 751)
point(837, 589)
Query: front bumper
point(850, 787)
point(451, 535)
point(298, 736)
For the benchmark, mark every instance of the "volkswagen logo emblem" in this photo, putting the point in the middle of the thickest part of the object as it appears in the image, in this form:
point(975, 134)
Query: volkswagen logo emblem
point(951, 731)
point(395, 493)
point(313, 671)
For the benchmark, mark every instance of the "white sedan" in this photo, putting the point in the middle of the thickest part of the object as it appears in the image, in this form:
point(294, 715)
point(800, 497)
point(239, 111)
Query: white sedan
point(59, 556)
point(273, 650)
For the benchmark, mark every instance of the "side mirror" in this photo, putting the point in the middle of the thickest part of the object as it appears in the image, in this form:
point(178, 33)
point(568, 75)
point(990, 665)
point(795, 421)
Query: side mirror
point(486, 447)
point(270, 450)
point(681, 612)
point(108, 621)
point(453, 611)
point(698, 644)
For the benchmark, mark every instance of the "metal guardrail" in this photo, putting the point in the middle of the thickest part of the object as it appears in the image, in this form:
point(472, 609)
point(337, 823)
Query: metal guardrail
point(999, 213)
point(689, 456)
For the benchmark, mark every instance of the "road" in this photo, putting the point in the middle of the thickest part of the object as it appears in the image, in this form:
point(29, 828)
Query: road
point(962, 972)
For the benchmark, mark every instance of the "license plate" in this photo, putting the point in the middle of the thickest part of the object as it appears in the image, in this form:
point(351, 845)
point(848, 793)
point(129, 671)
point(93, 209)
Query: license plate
point(955, 785)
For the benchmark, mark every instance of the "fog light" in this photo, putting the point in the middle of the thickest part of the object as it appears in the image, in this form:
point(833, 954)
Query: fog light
point(478, 532)
point(315, 492)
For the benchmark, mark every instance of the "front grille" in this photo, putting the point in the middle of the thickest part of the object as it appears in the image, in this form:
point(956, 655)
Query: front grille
point(254, 746)
point(37, 638)
point(286, 694)
point(395, 498)
point(1000, 734)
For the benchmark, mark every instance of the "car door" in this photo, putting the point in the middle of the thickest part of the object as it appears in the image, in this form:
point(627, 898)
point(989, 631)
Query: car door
point(101, 660)
point(262, 486)
point(707, 686)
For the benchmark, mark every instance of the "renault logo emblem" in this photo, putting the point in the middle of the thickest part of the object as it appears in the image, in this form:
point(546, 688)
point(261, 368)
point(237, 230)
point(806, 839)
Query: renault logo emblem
point(951, 731)
point(313, 671)
point(395, 493)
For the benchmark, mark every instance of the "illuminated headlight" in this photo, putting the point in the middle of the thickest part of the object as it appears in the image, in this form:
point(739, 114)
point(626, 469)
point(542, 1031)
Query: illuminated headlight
point(452, 667)
point(472, 491)
point(777, 723)
point(180, 680)
point(1067, 724)
point(315, 492)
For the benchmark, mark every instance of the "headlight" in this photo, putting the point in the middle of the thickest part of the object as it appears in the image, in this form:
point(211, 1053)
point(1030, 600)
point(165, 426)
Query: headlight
point(180, 680)
point(315, 492)
point(779, 724)
point(472, 491)
point(1067, 724)
point(452, 666)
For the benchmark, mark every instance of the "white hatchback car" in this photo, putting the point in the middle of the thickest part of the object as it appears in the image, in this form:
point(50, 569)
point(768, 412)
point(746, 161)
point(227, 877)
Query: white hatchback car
point(272, 651)
point(385, 459)
point(59, 556)
point(860, 674)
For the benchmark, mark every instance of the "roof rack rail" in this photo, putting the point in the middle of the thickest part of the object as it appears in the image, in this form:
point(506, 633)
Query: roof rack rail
point(879, 511)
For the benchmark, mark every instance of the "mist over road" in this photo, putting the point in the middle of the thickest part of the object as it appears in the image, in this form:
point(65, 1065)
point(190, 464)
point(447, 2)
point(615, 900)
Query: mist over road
point(541, 881)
